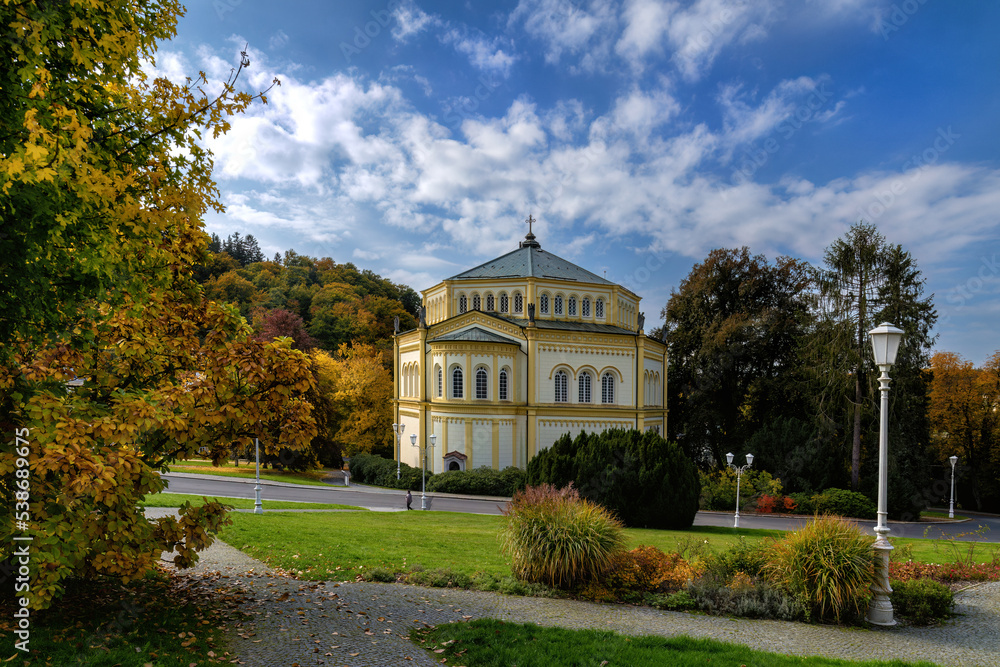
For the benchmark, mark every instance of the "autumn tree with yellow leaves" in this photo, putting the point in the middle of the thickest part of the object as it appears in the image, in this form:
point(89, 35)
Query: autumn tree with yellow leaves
point(964, 414)
point(112, 359)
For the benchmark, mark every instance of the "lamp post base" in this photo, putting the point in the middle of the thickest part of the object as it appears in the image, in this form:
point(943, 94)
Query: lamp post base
point(423, 502)
point(880, 608)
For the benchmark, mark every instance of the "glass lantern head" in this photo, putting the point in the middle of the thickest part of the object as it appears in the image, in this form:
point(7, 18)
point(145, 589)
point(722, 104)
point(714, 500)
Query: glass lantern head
point(885, 343)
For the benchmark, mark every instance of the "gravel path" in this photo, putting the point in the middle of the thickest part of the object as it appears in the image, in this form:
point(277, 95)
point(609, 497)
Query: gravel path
point(309, 623)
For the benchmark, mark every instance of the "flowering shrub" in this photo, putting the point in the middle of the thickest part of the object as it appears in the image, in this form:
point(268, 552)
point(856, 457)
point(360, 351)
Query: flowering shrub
point(768, 504)
point(647, 569)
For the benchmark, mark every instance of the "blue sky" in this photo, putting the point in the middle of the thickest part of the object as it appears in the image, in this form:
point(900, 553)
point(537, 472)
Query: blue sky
point(414, 138)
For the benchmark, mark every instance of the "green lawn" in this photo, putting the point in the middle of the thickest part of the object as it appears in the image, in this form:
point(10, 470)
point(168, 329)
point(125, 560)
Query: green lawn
point(941, 515)
point(342, 545)
point(176, 499)
point(491, 643)
point(201, 467)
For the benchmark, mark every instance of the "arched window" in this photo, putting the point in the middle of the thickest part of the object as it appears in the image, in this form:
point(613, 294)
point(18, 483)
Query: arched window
point(572, 306)
point(482, 384)
point(440, 382)
point(559, 304)
point(518, 303)
point(584, 388)
point(543, 304)
point(476, 303)
point(560, 386)
point(585, 308)
point(456, 383)
point(599, 309)
point(490, 303)
point(463, 304)
point(504, 392)
point(504, 303)
point(608, 388)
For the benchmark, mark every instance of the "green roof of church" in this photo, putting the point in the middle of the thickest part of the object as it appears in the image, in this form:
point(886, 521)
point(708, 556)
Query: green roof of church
point(531, 261)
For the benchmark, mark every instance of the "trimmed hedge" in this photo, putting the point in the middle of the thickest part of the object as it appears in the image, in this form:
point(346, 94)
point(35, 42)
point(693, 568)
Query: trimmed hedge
point(482, 481)
point(377, 471)
point(922, 601)
point(645, 480)
point(842, 502)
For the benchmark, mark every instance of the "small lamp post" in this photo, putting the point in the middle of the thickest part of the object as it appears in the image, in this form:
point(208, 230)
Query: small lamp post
point(951, 505)
point(257, 507)
point(739, 473)
point(398, 430)
point(423, 468)
point(885, 344)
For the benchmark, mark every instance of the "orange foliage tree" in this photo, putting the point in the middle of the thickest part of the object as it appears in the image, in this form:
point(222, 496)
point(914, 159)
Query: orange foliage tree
point(965, 421)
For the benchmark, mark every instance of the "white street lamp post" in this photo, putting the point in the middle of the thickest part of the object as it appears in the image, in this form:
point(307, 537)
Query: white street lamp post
point(257, 507)
point(951, 505)
point(885, 344)
point(739, 473)
point(423, 468)
point(398, 430)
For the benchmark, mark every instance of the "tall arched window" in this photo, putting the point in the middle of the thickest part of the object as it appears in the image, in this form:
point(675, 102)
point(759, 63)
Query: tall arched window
point(504, 392)
point(490, 303)
point(476, 303)
point(608, 388)
point(585, 307)
point(518, 303)
point(583, 383)
point(560, 386)
point(440, 382)
point(543, 304)
point(463, 304)
point(559, 304)
point(572, 306)
point(482, 384)
point(504, 303)
point(599, 309)
point(456, 383)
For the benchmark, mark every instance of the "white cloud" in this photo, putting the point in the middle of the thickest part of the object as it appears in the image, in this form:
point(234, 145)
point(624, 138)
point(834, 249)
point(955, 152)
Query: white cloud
point(410, 21)
point(581, 30)
point(277, 40)
point(367, 255)
point(348, 163)
point(484, 53)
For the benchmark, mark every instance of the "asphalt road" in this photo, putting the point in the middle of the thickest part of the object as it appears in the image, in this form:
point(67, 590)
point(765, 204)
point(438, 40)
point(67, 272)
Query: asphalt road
point(981, 527)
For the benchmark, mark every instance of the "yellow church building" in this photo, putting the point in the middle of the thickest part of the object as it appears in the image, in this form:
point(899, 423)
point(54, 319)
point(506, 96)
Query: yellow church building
point(515, 352)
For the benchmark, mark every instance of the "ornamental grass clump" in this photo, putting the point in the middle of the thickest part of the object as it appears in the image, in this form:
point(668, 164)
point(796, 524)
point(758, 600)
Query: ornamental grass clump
point(828, 565)
point(554, 537)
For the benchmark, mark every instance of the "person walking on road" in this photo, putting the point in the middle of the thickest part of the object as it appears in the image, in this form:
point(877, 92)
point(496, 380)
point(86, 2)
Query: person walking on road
point(409, 499)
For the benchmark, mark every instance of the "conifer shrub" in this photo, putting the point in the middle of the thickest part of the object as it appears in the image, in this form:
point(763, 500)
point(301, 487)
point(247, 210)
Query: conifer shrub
point(554, 537)
point(828, 565)
point(640, 477)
